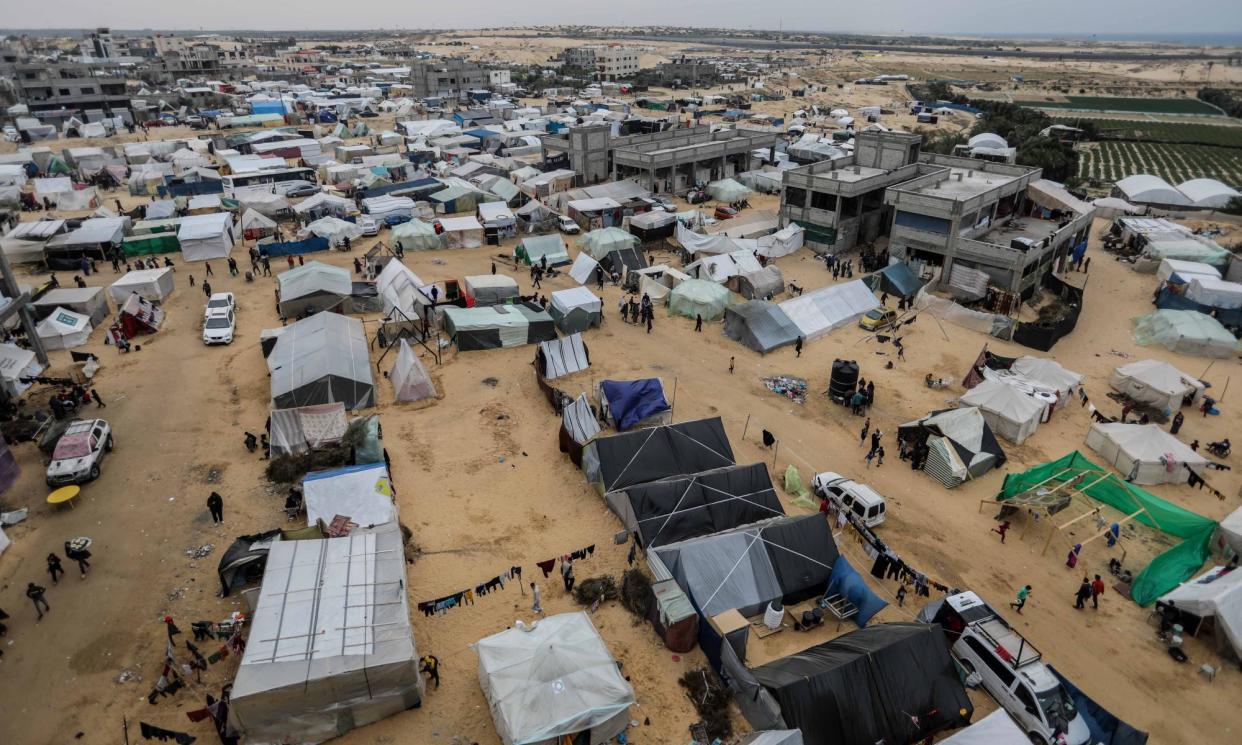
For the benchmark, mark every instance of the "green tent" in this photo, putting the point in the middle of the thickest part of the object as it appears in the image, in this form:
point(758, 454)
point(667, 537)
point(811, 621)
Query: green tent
point(155, 243)
point(1167, 570)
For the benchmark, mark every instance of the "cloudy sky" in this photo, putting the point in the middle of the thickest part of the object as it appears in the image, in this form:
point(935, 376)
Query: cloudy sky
point(890, 16)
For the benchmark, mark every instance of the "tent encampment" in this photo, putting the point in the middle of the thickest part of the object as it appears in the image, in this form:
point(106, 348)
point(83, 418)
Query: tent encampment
point(654, 453)
point(1144, 453)
point(760, 325)
point(205, 237)
point(1157, 384)
point(330, 646)
point(151, 284)
point(1010, 413)
point(64, 329)
point(699, 298)
point(893, 682)
point(961, 444)
point(319, 360)
point(687, 506)
point(410, 380)
point(364, 494)
point(575, 310)
point(554, 681)
point(313, 287)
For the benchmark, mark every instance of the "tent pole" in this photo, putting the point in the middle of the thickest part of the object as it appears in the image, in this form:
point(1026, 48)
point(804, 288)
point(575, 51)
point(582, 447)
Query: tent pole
point(673, 405)
point(775, 449)
point(1224, 390)
point(746, 427)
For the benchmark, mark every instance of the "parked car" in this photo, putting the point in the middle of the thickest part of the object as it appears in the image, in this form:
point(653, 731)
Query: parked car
point(878, 319)
point(396, 218)
point(1011, 670)
point(79, 453)
point(219, 301)
point(295, 188)
point(219, 326)
point(156, 123)
point(665, 204)
point(369, 225)
point(567, 226)
point(724, 212)
point(847, 494)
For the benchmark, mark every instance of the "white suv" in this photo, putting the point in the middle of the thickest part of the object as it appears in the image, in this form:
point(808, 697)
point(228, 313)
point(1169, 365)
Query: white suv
point(847, 494)
point(79, 452)
point(219, 326)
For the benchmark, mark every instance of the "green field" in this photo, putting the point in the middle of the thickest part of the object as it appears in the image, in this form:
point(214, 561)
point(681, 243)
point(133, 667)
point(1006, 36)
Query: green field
point(1136, 105)
point(1111, 161)
point(1170, 132)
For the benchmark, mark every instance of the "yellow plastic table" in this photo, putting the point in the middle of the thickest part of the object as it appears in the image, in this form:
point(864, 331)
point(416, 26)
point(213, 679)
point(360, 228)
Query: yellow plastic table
point(64, 495)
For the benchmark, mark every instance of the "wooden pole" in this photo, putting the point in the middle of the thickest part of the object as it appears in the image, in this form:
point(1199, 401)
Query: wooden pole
point(1054, 529)
point(776, 448)
point(1106, 531)
point(673, 405)
point(1224, 390)
point(746, 427)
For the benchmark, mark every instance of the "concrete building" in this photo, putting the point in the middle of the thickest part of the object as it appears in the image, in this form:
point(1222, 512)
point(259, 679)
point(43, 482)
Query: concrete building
point(499, 77)
point(687, 71)
point(74, 87)
point(447, 78)
point(168, 44)
point(583, 57)
point(615, 63)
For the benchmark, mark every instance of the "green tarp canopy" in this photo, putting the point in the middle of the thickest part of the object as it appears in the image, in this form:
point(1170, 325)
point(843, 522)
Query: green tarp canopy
point(1167, 570)
point(156, 243)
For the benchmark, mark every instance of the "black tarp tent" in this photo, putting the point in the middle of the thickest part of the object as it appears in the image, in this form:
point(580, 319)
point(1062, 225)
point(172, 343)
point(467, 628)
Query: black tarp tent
point(654, 453)
point(897, 280)
point(893, 683)
point(681, 507)
point(759, 325)
point(243, 562)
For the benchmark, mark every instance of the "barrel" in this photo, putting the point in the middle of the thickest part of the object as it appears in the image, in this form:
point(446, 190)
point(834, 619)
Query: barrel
point(843, 381)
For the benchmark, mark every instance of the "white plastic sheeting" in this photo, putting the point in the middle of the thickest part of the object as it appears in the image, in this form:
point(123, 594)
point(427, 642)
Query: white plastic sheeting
point(816, 313)
point(996, 728)
point(1010, 413)
point(415, 235)
point(1144, 453)
point(1186, 332)
point(361, 493)
point(1157, 384)
point(1048, 372)
point(17, 363)
point(583, 269)
point(1216, 293)
point(698, 298)
point(401, 290)
point(410, 380)
point(1187, 270)
point(564, 356)
point(728, 190)
point(462, 232)
point(308, 427)
point(151, 284)
point(335, 230)
point(64, 329)
point(947, 310)
point(1217, 593)
point(205, 237)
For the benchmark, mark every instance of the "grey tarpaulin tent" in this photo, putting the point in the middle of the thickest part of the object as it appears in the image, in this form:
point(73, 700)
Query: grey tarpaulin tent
point(89, 301)
point(319, 360)
point(897, 280)
point(553, 681)
point(313, 287)
point(560, 357)
point(961, 444)
point(681, 507)
point(772, 737)
point(759, 325)
point(655, 453)
point(496, 326)
point(576, 309)
point(330, 647)
point(244, 561)
point(578, 427)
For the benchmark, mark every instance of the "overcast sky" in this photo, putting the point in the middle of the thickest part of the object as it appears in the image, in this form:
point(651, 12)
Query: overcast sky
point(889, 16)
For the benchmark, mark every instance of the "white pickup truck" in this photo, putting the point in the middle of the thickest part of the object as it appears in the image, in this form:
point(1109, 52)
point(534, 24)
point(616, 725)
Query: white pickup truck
point(79, 453)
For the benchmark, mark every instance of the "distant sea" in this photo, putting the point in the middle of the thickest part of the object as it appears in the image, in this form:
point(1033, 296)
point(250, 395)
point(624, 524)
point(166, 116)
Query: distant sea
point(1214, 39)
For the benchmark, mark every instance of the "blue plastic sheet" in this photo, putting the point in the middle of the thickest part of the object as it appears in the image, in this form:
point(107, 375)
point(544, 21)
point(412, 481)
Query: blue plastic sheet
point(632, 401)
point(1105, 728)
point(293, 248)
point(846, 581)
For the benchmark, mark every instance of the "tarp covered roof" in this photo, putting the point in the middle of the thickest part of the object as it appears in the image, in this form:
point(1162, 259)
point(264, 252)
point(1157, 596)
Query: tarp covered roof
point(658, 452)
point(322, 359)
point(759, 325)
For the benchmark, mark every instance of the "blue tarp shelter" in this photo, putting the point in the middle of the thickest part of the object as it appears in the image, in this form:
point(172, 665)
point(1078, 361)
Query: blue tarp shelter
point(632, 401)
point(895, 279)
point(423, 186)
point(268, 107)
point(846, 581)
point(1105, 728)
point(293, 248)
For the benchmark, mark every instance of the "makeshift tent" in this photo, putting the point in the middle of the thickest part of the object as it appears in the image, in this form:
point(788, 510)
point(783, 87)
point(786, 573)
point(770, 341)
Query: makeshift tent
point(363, 494)
point(1214, 293)
point(401, 292)
point(324, 204)
point(533, 249)
point(816, 313)
point(1010, 412)
point(722, 267)
point(578, 427)
point(759, 325)
point(244, 561)
point(1047, 372)
point(88, 301)
point(261, 201)
point(576, 309)
point(319, 360)
point(410, 380)
point(849, 584)
point(385, 206)
point(152, 284)
point(299, 429)
point(255, 225)
point(490, 289)
point(330, 646)
point(653, 226)
point(1157, 384)
point(786, 559)
point(630, 403)
point(1165, 571)
point(415, 235)
point(496, 326)
point(997, 728)
point(1144, 453)
point(762, 285)
point(17, 363)
point(773, 737)
point(64, 329)
point(557, 358)
point(553, 682)
point(1181, 272)
point(961, 444)
point(138, 316)
point(644, 455)
point(681, 507)
point(893, 682)
point(1102, 724)
point(598, 244)
point(313, 287)
point(695, 298)
point(461, 232)
point(334, 230)
point(728, 190)
point(1216, 597)
point(1186, 332)
point(1228, 540)
point(583, 269)
point(204, 237)
point(898, 280)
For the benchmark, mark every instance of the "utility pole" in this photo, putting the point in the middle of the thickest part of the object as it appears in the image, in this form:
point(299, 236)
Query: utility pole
point(20, 304)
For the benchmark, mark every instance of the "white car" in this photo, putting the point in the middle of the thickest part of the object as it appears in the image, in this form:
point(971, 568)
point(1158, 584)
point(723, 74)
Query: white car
point(79, 453)
point(219, 301)
point(219, 326)
point(567, 225)
point(847, 494)
point(297, 188)
point(369, 225)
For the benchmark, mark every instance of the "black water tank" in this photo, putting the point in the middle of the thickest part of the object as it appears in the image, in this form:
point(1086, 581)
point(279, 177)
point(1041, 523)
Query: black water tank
point(844, 380)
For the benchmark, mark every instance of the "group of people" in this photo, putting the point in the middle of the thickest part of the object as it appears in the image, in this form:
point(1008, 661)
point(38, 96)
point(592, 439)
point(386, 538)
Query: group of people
point(638, 312)
point(75, 550)
point(67, 401)
point(863, 397)
point(840, 269)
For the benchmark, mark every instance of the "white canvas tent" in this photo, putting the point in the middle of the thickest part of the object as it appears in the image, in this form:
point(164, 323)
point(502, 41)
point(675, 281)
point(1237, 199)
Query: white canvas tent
point(551, 680)
point(206, 237)
point(461, 232)
point(1047, 372)
point(816, 313)
point(151, 284)
point(564, 356)
point(401, 292)
point(91, 302)
point(1215, 293)
point(17, 363)
point(409, 377)
point(362, 493)
point(1215, 594)
point(576, 309)
point(582, 271)
point(1157, 384)
point(1144, 453)
point(415, 235)
point(330, 646)
point(1010, 413)
point(64, 329)
point(334, 229)
point(1186, 270)
point(996, 728)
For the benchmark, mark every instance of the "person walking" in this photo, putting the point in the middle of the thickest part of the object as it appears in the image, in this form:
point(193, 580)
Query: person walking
point(1002, 529)
point(232, 262)
point(536, 603)
point(1177, 423)
point(430, 664)
point(870, 456)
point(1086, 267)
point(879, 456)
point(798, 347)
point(215, 504)
point(99, 404)
point(1084, 592)
point(267, 267)
point(207, 268)
point(862, 437)
point(80, 555)
point(1023, 594)
point(698, 323)
point(54, 568)
point(567, 574)
point(207, 288)
point(731, 360)
point(35, 593)
point(494, 268)
point(901, 595)
point(1097, 589)
point(650, 317)
point(876, 436)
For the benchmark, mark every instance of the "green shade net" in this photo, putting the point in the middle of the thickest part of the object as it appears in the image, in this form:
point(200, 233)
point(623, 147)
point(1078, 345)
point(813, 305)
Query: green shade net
point(793, 485)
point(157, 243)
point(1164, 572)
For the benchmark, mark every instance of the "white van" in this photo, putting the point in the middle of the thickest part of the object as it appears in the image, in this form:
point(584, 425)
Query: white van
point(1011, 670)
point(850, 495)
